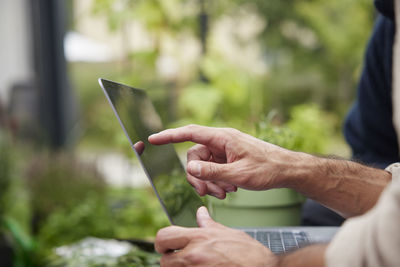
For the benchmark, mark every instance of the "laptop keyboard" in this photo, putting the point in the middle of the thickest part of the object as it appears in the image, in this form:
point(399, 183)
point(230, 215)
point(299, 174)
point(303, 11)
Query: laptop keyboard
point(280, 241)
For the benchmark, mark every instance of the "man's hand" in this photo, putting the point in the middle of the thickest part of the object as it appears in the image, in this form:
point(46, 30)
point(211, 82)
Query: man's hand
point(210, 245)
point(225, 159)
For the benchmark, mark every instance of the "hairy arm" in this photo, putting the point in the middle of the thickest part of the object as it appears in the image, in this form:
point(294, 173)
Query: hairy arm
point(347, 187)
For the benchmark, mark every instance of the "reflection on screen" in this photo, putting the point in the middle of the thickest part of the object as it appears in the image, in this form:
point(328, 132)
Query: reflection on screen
point(161, 163)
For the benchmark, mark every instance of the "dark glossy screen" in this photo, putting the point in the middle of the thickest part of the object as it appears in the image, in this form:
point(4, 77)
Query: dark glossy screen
point(139, 119)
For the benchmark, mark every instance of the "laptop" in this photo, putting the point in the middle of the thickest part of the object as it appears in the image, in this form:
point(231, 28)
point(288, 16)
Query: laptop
point(139, 119)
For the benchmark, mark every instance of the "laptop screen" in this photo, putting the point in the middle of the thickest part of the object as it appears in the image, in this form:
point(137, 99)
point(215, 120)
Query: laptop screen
point(161, 164)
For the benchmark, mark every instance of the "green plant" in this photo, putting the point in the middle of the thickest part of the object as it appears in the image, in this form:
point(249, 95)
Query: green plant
point(309, 129)
point(14, 213)
point(314, 128)
point(60, 181)
point(70, 201)
point(23, 244)
point(121, 214)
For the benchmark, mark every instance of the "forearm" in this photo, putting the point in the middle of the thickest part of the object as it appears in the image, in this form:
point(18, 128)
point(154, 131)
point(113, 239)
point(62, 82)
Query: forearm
point(344, 186)
point(311, 256)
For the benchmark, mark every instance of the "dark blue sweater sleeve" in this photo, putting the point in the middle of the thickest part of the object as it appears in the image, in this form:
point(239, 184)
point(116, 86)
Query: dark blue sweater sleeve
point(368, 127)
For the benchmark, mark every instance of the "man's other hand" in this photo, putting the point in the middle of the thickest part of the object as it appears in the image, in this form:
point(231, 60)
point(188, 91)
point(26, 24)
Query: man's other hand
point(212, 244)
point(224, 159)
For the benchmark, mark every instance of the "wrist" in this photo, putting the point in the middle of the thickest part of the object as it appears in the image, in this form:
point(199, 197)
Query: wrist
point(298, 169)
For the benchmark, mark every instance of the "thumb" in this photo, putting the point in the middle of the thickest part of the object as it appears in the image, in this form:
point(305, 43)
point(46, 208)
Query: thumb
point(206, 170)
point(204, 219)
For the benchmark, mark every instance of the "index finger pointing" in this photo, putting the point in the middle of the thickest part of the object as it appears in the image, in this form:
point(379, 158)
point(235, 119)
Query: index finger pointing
point(194, 133)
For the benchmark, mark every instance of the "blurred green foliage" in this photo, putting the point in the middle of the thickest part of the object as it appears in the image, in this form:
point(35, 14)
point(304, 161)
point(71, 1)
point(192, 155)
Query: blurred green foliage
point(200, 102)
point(60, 181)
point(98, 123)
point(123, 214)
point(14, 209)
point(157, 15)
point(309, 129)
point(312, 50)
point(71, 201)
point(58, 200)
point(315, 48)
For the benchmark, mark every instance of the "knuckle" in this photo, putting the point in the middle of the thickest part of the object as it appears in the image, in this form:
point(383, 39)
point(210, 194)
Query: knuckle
point(191, 126)
point(210, 171)
point(231, 130)
point(201, 234)
point(193, 150)
point(194, 257)
point(230, 133)
point(235, 132)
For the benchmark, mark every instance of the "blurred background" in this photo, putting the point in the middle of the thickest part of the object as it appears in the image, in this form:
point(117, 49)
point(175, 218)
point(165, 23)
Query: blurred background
point(284, 71)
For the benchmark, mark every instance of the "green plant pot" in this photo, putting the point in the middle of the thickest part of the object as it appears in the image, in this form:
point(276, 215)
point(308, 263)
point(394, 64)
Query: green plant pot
point(276, 207)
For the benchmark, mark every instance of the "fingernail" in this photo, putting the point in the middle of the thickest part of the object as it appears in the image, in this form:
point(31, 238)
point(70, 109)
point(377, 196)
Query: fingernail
point(203, 212)
point(194, 168)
